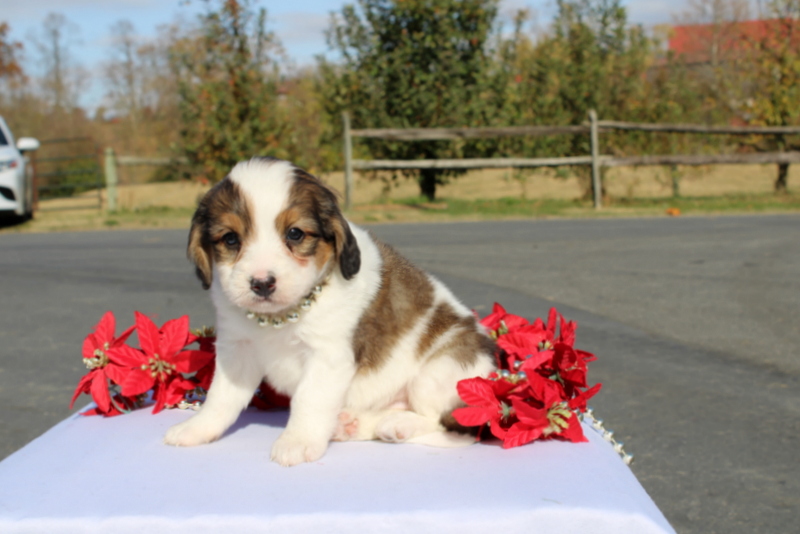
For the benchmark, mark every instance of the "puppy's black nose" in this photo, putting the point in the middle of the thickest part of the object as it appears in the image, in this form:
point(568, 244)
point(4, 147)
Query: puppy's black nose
point(263, 287)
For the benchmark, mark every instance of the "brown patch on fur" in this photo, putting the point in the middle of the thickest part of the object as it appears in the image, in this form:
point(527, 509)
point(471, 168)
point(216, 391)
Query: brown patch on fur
point(444, 318)
point(466, 347)
point(312, 207)
point(405, 294)
point(467, 343)
point(221, 211)
point(312, 246)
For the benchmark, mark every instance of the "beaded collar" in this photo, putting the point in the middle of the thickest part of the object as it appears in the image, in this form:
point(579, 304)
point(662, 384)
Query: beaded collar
point(293, 315)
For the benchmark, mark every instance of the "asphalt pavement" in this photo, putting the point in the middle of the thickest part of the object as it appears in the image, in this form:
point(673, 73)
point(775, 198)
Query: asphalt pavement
point(695, 322)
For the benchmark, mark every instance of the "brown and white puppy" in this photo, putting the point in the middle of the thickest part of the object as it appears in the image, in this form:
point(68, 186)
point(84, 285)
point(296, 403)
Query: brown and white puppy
point(367, 345)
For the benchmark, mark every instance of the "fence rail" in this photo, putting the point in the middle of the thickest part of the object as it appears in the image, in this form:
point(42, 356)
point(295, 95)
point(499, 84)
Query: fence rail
point(436, 134)
point(704, 159)
point(75, 167)
point(468, 163)
point(137, 160)
point(593, 127)
point(698, 128)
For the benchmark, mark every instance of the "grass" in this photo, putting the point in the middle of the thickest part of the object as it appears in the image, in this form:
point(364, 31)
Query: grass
point(417, 209)
point(495, 208)
point(94, 219)
point(752, 203)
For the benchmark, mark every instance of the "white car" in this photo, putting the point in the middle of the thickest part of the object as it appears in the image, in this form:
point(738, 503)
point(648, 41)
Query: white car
point(16, 174)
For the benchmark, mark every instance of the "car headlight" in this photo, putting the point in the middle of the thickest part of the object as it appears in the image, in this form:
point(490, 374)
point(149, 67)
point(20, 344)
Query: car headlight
point(8, 164)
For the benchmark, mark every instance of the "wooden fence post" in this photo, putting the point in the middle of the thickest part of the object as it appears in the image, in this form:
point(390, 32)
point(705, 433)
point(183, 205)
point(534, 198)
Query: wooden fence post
point(348, 162)
point(597, 188)
point(676, 180)
point(111, 179)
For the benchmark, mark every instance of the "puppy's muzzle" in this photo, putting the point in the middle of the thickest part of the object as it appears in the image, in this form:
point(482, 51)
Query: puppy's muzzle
point(263, 287)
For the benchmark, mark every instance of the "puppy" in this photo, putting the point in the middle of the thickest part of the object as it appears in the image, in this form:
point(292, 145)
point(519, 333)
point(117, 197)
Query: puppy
point(366, 345)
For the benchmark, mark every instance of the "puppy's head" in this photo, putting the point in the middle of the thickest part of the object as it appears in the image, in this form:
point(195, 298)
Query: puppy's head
point(269, 232)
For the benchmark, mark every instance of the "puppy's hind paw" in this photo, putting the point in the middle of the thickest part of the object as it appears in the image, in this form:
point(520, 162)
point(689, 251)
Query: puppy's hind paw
point(398, 427)
point(346, 427)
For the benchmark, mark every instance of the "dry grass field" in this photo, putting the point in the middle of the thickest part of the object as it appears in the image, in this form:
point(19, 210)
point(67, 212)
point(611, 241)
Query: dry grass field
point(621, 182)
point(483, 194)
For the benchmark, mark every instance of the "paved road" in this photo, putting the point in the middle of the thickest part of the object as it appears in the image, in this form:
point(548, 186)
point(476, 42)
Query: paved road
point(694, 320)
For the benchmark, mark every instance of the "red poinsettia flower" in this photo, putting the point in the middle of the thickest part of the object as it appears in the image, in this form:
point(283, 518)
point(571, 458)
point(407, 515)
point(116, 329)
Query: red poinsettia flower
point(176, 389)
point(578, 402)
point(542, 382)
point(572, 430)
point(544, 391)
point(568, 367)
point(500, 317)
point(567, 331)
point(199, 382)
point(204, 376)
point(487, 402)
point(160, 359)
point(552, 323)
point(556, 321)
point(204, 337)
point(526, 343)
point(558, 421)
point(118, 404)
point(531, 424)
point(535, 341)
point(98, 350)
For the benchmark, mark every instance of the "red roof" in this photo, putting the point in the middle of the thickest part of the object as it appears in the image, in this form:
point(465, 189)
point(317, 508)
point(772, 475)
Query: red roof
point(698, 42)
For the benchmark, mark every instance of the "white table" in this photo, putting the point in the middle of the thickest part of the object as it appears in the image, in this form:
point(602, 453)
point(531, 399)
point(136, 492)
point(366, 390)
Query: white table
point(95, 475)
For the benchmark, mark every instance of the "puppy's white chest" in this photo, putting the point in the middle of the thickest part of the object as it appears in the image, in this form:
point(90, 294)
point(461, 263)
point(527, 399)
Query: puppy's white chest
point(284, 358)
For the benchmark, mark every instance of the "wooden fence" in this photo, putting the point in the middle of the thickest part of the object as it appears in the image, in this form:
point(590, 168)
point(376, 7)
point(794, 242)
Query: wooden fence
point(112, 161)
point(597, 161)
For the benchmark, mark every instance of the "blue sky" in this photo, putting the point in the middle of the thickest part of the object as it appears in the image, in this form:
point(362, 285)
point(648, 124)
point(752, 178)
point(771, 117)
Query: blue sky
point(299, 24)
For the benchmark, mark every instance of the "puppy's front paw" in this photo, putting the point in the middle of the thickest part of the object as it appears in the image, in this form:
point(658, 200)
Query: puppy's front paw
point(190, 433)
point(290, 449)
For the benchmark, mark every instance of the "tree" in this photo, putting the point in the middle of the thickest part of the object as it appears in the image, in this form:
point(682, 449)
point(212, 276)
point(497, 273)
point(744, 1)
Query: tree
point(590, 58)
point(711, 34)
point(774, 61)
point(228, 90)
point(63, 79)
point(413, 63)
point(125, 74)
point(9, 54)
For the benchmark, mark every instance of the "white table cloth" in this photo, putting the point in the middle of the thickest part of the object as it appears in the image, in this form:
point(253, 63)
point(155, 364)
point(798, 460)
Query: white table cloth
point(95, 475)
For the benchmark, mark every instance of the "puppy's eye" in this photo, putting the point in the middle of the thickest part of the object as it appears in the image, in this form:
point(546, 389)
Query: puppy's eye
point(295, 234)
point(231, 239)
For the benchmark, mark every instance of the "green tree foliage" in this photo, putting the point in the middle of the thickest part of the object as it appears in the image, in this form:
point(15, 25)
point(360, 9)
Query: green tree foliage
point(591, 58)
point(774, 64)
point(413, 63)
point(228, 90)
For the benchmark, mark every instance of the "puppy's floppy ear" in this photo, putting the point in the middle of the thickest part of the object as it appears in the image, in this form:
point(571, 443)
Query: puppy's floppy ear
point(199, 248)
point(320, 200)
point(346, 248)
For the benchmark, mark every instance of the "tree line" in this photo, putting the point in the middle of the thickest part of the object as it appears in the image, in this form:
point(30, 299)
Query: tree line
point(217, 90)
